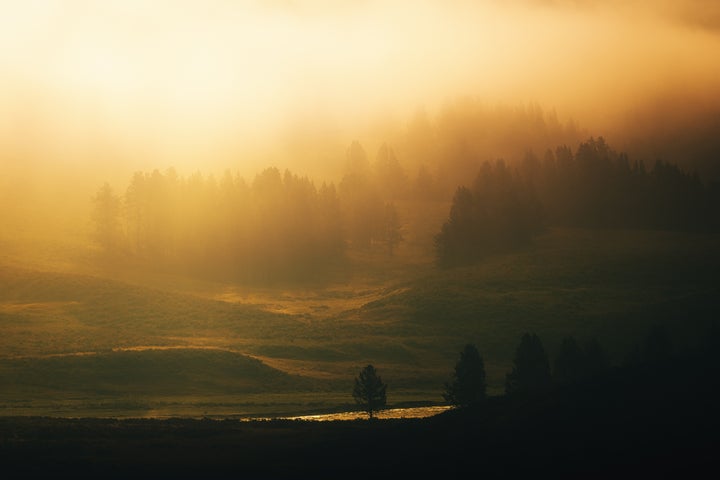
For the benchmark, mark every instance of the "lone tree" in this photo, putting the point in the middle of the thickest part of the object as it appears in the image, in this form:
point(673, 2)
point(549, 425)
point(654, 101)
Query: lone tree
point(369, 391)
point(468, 385)
point(531, 368)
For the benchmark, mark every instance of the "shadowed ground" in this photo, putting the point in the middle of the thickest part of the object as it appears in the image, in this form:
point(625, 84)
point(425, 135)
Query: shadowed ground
point(639, 422)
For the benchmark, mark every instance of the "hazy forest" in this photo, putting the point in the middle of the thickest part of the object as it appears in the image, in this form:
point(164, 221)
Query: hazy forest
point(240, 212)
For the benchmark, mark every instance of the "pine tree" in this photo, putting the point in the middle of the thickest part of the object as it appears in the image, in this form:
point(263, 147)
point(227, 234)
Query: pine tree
point(468, 386)
point(531, 368)
point(370, 391)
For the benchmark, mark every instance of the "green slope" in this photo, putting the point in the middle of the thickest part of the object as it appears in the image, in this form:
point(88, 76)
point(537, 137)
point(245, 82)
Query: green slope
point(157, 372)
point(411, 325)
point(612, 285)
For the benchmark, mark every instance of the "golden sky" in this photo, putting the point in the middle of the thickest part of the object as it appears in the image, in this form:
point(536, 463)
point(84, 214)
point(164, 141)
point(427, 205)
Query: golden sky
point(120, 85)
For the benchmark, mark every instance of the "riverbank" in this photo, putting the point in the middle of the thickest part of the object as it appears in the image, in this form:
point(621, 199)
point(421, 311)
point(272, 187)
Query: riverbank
point(627, 423)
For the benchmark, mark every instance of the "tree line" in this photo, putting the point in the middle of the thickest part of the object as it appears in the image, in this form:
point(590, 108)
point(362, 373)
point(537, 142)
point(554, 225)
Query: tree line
point(593, 187)
point(443, 149)
point(279, 226)
point(532, 371)
point(224, 226)
point(282, 226)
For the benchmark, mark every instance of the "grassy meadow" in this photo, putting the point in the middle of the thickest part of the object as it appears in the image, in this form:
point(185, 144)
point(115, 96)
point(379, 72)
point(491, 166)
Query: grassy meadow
point(116, 341)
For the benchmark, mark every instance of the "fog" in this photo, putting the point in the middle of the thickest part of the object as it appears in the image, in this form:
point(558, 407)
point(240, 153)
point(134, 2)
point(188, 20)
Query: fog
point(94, 91)
point(228, 207)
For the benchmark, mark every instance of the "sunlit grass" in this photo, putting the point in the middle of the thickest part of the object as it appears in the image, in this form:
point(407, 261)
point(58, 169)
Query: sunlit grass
point(305, 345)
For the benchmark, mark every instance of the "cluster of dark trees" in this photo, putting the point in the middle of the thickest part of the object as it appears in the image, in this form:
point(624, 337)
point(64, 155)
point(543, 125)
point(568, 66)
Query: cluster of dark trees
point(626, 423)
point(279, 226)
point(599, 187)
point(499, 211)
point(278, 223)
point(282, 225)
point(594, 187)
point(531, 371)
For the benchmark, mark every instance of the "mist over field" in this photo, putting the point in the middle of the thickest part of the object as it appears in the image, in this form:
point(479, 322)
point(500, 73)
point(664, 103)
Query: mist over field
point(229, 208)
point(105, 89)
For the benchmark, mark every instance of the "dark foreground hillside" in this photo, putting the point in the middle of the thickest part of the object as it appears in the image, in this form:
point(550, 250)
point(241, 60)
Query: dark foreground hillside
point(639, 422)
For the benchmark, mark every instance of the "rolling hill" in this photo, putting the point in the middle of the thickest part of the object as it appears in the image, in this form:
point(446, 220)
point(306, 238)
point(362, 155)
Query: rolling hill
point(71, 339)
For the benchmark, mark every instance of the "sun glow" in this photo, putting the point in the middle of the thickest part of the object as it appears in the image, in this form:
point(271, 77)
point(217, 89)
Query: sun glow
point(207, 85)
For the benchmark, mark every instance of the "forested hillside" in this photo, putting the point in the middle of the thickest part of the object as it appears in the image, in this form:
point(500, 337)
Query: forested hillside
point(591, 187)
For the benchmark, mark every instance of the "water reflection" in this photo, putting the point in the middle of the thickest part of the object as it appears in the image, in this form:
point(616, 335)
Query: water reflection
point(413, 412)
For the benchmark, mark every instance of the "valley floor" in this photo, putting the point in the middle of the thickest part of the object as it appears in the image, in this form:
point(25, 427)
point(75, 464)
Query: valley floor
point(634, 422)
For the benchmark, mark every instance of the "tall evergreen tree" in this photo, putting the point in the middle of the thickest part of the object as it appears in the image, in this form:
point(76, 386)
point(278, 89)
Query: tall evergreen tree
point(370, 391)
point(468, 385)
point(531, 368)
